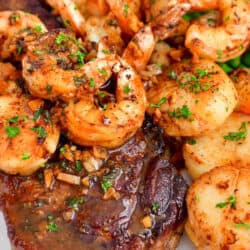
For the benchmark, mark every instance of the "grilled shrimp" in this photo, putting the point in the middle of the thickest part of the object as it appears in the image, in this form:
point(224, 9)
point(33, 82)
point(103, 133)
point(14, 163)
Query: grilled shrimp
point(165, 17)
point(27, 135)
point(223, 42)
point(99, 118)
point(194, 99)
point(52, 65)
point(97, 7)
point(227, 145)
point(218, 209)
point(18, 28)
point(106, 33)
point(8, 79)
point(70, 15)
point(127, 14)
point(140, 49)
point(241, 78)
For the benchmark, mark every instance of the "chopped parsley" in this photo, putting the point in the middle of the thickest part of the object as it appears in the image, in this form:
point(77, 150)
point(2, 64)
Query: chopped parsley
point(242, 225)
point(191, 141)
point(73, 202)
point(193, 15)
point(106, 185)
point(91, 82)
point(103, 72)
point(182, 112)
point(12, 131)
point(155, 206)
point(19, 49)
point(219, 53)
point(37, 114)
point(80, 56)
point(106, 51)
point(172, 74)
point(41, 132)
point(62, 150)
point(25, 156)
point(230, 201)
point(52, 227)
point(236, 136)
point(78, 166)
point(60, 38)
point(38, 29)
point(14, 119)
point(101, 94)
point(105, 107)
point(126, 89)
point(158, 105)
point(125, 9)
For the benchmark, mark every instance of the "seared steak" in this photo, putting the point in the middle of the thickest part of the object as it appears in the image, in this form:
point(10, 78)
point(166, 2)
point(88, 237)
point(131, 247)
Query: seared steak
point(149, 188)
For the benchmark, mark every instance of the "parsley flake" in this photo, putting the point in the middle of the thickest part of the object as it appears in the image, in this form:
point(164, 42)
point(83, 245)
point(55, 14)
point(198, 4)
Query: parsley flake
point(106, 185)
point(155, 206)
point(230, 201)
point(158, 105)
point(52, 227)
point(242, 225)
point(125, 9)
point(182, 112)
point(236, 136)
point(25, 156)
point(12, 131)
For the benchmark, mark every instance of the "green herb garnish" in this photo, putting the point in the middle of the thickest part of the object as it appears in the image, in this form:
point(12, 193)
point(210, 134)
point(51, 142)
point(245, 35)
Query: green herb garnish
point(12, 131)
point(235, 136)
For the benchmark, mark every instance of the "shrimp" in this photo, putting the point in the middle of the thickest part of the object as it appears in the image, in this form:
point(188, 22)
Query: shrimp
point(241, 78)
point(97, 7)
point(104, 120)
point(8, 79)
point(165, 17)
point(218, 209)
point(140, 49)
point(18, 28)
point(70, 15)
point(127, 14)
point(194, 99)
point(105, 32)
point(51, 66)
point(223, 42)
point(227, 145)
point(27, 135)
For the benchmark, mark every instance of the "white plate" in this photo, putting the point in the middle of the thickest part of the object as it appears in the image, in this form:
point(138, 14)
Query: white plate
point(185, 243)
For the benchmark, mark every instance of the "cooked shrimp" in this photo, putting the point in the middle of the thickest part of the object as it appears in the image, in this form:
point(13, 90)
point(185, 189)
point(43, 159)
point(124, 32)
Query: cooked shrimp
point(241, 78)
point(97, 7)
point(196, 98)
point(108, 121)
point(140, 49)
point(127, 14)
point(226, 41)
point(106, 32)
point(160, 55)
point(70, 15)
point(218, 209)
point(227, 145)
point(17, 28)
point(8, 79)
point(27, 136)
point(51, 66)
